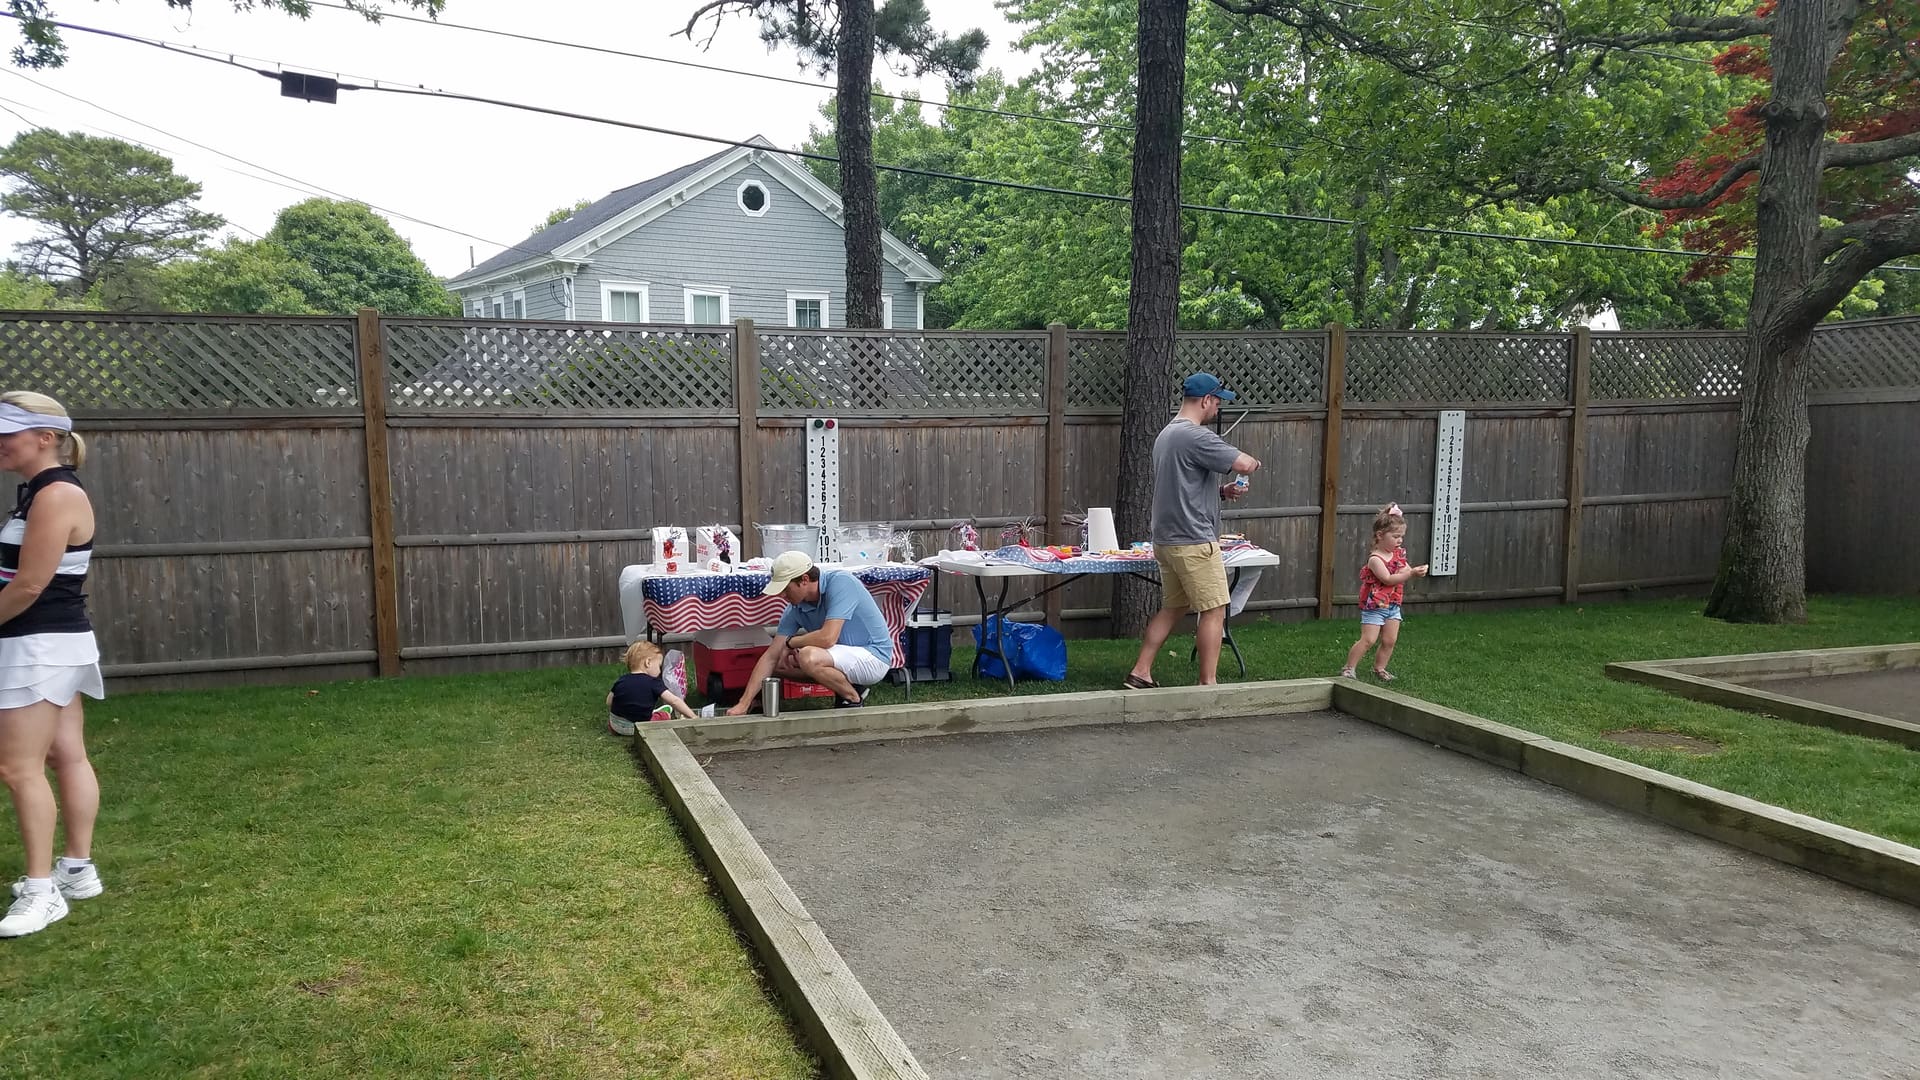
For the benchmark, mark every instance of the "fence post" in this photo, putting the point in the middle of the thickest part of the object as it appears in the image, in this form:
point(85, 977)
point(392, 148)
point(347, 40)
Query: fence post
point(1055, 469)
point(373, 408)
point(746, 401)
point(1330, 466)
point(1580, 383)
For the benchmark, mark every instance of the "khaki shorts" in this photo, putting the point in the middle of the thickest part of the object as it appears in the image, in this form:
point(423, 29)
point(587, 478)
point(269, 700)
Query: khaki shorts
point(1192, 576)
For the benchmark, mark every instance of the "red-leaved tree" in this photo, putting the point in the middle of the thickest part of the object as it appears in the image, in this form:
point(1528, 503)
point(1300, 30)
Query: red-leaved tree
point(1815, 176)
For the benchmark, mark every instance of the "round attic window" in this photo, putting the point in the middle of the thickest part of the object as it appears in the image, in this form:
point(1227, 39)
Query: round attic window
point(753, 198)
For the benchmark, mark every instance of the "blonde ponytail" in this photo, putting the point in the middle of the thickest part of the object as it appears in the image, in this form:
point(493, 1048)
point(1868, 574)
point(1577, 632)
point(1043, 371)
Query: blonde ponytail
point(73, 447)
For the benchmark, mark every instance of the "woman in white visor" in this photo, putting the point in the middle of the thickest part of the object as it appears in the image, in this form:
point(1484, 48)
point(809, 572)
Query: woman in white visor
point(48, 658)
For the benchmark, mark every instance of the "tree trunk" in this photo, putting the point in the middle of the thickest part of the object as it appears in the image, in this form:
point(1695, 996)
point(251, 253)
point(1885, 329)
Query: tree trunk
point(1153, 301)
point(859, 190)
point(1763, 561)
point(1763, 569)
point(1362, 275)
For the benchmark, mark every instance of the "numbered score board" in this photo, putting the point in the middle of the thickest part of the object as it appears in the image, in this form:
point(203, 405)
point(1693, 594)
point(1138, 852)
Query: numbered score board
point(1449, 463)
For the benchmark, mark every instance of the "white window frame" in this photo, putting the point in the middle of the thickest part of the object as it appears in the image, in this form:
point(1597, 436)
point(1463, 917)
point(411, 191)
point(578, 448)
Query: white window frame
point(793, 308)
point(689, 292)
point(886, 311)
point(740, 197)
point(609, 287)
point(517, 303)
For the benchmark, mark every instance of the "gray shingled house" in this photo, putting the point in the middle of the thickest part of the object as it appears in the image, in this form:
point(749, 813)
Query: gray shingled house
point(741, 234)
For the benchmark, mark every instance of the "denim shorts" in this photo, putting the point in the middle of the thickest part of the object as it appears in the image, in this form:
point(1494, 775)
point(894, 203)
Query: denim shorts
point(1379, 616)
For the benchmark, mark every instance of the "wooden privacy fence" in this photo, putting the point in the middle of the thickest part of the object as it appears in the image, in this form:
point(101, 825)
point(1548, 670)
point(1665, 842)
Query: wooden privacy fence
point(330, 496)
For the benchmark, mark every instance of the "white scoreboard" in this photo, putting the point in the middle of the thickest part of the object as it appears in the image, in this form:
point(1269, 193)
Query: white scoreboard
point(1449, 461)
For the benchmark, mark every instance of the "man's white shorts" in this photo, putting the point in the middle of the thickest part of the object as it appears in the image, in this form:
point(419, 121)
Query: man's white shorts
point(860, 666)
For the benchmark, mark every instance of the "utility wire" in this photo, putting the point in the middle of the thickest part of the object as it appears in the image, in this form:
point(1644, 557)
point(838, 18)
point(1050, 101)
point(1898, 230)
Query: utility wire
point(319, 261)
point(1092, 125)
point(309, 186)
point(1272, 215)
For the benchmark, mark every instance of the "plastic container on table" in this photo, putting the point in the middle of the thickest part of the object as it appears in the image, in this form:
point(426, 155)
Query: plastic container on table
point(864, 545)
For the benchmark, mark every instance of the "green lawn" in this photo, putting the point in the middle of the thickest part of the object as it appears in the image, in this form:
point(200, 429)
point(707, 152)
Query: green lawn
point(468, 877)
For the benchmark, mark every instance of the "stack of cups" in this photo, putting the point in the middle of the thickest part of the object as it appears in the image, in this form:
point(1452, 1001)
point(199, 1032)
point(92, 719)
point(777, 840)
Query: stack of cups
point(1100, 532)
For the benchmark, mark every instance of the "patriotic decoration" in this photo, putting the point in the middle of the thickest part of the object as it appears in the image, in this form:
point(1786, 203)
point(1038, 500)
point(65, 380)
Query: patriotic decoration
point(687, 603)
point(1116, 563)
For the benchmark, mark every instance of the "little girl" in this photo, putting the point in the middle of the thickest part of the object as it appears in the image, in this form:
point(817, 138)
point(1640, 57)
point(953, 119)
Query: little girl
point(1383, 584)
point(641, 694)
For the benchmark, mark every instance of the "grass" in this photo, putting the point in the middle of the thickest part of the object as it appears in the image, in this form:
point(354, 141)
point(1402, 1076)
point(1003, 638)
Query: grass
point(436, 877)
point(467, 877)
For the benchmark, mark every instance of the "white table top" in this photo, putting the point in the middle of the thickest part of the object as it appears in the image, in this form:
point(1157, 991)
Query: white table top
point(978, 564)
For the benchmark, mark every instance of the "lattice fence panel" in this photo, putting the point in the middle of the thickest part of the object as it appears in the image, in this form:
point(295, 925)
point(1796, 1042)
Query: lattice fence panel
point(1390, 366)
point(1096, 370)
point(99, 362)
point(440, 365)
point(1265, 368)
point(874, 371)
point(1875, 355)
point(1657, 366)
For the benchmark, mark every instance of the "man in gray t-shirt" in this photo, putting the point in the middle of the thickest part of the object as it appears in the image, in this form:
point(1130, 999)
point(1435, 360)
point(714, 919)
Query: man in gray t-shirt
point(1188, 464)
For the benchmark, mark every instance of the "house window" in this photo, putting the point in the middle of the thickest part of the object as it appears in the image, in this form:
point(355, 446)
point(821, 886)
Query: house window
point(707, 304)
point(623, 301)
point(752, 196)
point(499, 309)
point(886, 310)
point(520, 304)
point(807, 310)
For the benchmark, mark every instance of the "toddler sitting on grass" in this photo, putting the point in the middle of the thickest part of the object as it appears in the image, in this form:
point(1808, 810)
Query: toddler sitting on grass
point(641, 694)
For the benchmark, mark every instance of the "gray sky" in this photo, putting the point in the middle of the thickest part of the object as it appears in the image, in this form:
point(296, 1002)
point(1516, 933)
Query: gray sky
point(481, 170)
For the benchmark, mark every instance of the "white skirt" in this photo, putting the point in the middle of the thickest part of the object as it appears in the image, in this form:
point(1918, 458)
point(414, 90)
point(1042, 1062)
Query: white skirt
point(49, 667)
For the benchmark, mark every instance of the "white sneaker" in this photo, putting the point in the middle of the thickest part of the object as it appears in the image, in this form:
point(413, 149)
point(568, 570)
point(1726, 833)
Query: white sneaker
point(32, 913)
point(81, 884)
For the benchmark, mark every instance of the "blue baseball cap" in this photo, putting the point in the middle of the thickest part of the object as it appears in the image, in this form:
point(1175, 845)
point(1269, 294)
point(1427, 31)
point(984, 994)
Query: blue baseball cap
point(1206, 384)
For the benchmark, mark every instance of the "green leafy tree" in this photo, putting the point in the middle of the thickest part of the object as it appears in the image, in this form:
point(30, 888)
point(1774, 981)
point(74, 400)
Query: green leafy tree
point(844, 36)
point(22, 292)
point(41, 45)
point(562, 213)
point(242, 277)
point(100, 204)
point(356, 260)
point(1811, 170)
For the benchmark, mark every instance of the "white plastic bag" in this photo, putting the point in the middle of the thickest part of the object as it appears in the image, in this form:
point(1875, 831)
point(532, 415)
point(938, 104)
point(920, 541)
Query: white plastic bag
point(673, 672)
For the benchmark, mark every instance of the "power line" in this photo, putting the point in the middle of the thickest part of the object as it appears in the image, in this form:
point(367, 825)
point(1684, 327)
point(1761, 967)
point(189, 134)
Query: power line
point(319, 261)
point(1093, 125)
point(1312, 219)
point(307, 185)
point(1273, 215)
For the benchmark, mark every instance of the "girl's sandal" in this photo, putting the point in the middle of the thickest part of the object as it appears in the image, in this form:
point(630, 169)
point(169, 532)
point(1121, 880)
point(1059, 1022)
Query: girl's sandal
point(1383, 674)
point(1348, 673)
point(1135, 682)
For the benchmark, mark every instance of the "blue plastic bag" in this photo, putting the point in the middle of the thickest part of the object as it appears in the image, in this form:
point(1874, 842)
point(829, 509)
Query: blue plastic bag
point(1035, 650)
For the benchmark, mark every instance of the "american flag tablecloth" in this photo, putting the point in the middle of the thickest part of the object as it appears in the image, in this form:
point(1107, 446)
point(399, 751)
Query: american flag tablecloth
point(688, 603)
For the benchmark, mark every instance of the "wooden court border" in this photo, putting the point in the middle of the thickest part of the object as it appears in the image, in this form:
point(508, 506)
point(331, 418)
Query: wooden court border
point(1710, 679)
point(853, 1039)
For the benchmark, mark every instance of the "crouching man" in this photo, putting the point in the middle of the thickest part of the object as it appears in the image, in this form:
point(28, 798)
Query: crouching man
point(831, 633)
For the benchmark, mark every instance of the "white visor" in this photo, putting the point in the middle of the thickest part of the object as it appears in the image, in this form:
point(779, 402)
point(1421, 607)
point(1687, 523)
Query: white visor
point(14, 419)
